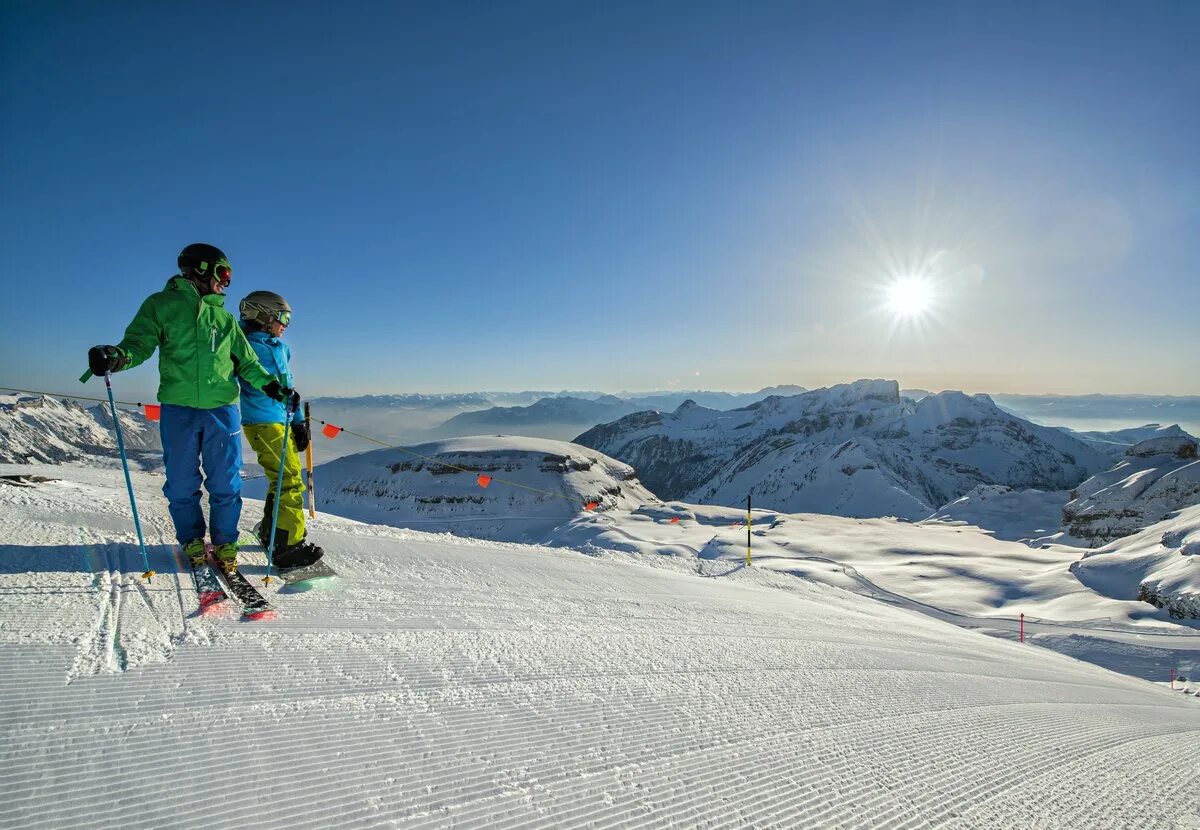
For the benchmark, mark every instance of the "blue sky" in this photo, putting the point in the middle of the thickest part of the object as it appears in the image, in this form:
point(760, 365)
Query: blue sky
point(617, 196)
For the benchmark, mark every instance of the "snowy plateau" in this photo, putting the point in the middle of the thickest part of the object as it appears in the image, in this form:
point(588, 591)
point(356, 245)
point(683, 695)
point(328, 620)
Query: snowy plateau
point(504, 656)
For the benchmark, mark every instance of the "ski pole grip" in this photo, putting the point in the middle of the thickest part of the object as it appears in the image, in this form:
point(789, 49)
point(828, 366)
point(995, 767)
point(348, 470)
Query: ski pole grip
point(86, 376)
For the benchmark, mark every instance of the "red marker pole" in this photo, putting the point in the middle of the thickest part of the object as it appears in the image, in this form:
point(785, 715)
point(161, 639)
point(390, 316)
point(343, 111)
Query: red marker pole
point(1022, 628)
point(1172, 678)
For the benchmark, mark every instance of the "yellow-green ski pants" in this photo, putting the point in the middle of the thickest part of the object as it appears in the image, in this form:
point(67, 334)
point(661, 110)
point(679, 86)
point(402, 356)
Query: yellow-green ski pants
point(265, 439)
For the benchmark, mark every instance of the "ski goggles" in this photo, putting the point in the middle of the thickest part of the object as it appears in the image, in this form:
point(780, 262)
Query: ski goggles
point(263, 315)
point(222, 271)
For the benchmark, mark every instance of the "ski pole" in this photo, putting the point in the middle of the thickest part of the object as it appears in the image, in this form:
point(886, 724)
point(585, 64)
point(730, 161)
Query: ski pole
point(112, 407)
point(312, 497)
point(287, 425)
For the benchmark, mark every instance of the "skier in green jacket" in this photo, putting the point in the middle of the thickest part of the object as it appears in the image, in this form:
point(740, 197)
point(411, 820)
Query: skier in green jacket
point(202, 353)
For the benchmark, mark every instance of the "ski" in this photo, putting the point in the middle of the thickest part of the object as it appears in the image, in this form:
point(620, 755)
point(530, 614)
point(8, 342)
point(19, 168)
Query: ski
point(307, 573)
point(254, 605)
point(301, 577)
point(208, 588)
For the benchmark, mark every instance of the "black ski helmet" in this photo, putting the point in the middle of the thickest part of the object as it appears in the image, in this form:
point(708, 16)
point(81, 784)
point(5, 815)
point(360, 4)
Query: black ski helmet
point(207, 261)
point(265, 307)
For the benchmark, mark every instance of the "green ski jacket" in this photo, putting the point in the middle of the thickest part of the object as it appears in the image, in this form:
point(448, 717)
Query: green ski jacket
point(202, 349)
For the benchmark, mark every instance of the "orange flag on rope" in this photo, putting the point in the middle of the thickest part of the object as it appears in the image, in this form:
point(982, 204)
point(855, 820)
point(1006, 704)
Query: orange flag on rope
point(330, 431)
point(153, 411)
point(591, 505)
point(483, 480)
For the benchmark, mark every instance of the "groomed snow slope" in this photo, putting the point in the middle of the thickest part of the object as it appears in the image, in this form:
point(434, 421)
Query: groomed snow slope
point(447, 683)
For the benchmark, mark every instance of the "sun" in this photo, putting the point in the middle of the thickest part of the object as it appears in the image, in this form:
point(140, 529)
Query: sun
point(910, 296)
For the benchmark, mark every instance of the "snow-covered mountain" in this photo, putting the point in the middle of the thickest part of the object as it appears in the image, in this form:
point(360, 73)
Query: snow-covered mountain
point(39, 428)
point(856, 449)
point(538, 484)
point(1156, 477)
point(1160, 565)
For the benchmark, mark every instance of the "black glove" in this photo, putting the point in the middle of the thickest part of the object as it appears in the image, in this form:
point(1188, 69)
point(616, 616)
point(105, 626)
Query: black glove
point(281, 393)
point(103, 359)
point(300, 436)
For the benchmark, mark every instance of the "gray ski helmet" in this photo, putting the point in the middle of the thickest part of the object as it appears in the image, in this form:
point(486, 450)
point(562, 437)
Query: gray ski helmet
point(265, 307)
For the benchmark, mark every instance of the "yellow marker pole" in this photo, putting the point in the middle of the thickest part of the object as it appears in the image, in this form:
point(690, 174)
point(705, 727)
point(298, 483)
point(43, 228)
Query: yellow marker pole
point(749, 523)
point(312, 499)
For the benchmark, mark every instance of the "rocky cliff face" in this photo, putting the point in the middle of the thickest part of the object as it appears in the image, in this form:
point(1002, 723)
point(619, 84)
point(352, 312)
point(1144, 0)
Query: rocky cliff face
point(1157, 477)
point(856, 449)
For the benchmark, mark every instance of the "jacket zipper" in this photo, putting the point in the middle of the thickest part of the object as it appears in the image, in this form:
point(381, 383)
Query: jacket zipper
point(214, 339)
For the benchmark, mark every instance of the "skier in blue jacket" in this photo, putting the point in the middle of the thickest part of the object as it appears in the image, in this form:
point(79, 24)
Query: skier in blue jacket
point(265, 315)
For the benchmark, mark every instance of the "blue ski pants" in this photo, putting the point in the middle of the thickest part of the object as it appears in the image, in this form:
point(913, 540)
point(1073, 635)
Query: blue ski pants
point(212, 438)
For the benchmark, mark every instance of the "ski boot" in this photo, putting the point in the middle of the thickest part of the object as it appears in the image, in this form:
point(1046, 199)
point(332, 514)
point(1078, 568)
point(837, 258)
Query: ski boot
point(194, 551)
point(226, 556)
point(263, 528)
point(298, 555)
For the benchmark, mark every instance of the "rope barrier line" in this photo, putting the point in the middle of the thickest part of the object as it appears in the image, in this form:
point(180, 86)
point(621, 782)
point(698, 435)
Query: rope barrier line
point(73, 397)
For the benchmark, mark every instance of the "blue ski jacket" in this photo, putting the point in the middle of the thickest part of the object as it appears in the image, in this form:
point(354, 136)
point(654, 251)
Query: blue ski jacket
point(274, 356)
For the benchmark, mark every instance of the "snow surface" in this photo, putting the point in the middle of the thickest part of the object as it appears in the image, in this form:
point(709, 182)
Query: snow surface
point(1015, 515)
point(442, 682)
point(943, 567)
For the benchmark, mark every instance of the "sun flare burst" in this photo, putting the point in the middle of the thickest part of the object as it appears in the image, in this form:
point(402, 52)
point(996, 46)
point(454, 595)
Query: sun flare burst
point(909, 297)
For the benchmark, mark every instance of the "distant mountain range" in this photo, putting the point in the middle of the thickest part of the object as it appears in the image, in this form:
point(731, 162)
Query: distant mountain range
point(564, 417)
point(1104, 412)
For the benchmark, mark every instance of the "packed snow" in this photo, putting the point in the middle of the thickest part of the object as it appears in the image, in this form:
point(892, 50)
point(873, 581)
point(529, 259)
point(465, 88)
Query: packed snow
point(1015, 515)
point(448, 682)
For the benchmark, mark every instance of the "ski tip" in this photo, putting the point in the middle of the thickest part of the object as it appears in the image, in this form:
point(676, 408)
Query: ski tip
point(265, 614)
point(209, 598)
